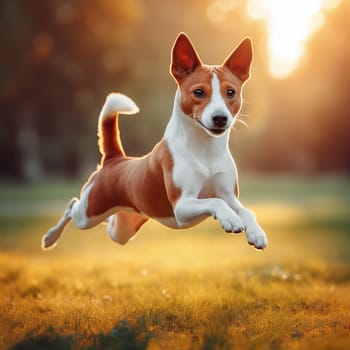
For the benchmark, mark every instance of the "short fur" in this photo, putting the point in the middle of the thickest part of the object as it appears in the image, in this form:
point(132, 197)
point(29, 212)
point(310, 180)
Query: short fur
point(189, 175)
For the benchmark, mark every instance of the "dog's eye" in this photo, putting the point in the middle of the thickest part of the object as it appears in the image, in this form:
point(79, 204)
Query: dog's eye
point(230, 93)
point(199, 93)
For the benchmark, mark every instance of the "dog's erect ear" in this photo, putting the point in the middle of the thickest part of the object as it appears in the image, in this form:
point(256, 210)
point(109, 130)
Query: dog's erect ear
point(184, 58)
point(240, 59)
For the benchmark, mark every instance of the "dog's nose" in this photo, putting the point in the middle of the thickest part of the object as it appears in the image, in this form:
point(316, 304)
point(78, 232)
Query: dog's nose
point(220, 120)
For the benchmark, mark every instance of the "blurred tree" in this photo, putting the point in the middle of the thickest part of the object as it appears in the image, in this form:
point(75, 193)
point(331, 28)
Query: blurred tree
point(327, 75)
point(58, 60)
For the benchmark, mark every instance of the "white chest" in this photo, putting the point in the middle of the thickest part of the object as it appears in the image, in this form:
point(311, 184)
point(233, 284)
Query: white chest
point(202, 172)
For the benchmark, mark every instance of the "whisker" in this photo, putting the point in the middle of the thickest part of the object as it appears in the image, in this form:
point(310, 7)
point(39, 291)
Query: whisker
point(239, 119)
point(242, 122)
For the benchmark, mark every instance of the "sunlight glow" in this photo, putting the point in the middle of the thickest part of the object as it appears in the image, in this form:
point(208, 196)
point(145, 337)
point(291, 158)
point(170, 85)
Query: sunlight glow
point(290, 24)
point(218, 10)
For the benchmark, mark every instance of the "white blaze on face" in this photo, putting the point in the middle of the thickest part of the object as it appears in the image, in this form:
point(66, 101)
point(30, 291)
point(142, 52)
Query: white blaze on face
point(216, 107)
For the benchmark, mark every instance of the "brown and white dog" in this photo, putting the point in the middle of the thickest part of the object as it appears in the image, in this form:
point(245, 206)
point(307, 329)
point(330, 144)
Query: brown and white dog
point(189, 175)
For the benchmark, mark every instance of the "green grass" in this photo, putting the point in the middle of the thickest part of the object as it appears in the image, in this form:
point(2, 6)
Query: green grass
point(194, 289)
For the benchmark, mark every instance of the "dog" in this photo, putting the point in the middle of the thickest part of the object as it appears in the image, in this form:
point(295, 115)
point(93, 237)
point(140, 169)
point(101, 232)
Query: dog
point(189, 175)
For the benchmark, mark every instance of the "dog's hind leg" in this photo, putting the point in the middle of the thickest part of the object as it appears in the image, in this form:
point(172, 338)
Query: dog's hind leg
point(123, 225)
point(51, 237)
point(77, 212)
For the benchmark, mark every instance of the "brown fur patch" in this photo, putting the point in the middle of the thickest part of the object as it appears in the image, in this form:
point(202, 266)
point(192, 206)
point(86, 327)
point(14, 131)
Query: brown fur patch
point(109, 138)
point(143, 184)
point(199, 79)
point(236, 189)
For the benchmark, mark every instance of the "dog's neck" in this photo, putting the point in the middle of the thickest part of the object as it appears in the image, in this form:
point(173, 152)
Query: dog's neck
point(184, 132)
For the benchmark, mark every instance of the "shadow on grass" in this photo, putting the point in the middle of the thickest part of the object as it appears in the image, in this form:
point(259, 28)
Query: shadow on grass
point(214, 341)
point(122, 337)
point(50, 340)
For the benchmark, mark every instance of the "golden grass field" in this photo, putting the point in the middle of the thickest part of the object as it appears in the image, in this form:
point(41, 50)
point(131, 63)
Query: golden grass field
point(193, 289)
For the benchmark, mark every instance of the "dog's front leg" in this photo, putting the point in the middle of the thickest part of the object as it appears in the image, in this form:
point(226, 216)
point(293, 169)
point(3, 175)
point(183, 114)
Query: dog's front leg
point(188, 210)
point(255, 234)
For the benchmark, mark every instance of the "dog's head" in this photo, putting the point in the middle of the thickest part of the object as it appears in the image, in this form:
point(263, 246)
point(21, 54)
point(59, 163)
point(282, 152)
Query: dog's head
point(210, 95)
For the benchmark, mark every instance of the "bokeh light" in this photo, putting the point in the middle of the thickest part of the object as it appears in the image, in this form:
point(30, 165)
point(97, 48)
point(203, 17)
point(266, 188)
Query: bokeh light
point(63, 59)
point(290, 24)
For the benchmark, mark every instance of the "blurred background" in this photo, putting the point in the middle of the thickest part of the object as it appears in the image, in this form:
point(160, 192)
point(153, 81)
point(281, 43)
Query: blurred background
point(60, 58)
point(58, 61)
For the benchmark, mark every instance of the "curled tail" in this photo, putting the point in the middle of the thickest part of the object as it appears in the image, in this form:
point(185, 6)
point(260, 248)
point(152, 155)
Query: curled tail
point(108, 130)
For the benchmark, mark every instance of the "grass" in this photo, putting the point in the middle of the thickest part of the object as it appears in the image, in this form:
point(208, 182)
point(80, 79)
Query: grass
point(192, 289)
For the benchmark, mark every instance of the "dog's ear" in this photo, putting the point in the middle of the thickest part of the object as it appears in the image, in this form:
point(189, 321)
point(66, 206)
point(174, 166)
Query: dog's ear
point(240, 59)
point(184, 58)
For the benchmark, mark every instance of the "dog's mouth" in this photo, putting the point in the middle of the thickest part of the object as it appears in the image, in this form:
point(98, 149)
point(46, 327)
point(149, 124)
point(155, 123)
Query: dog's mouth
point(212, 131)
point(217, 131)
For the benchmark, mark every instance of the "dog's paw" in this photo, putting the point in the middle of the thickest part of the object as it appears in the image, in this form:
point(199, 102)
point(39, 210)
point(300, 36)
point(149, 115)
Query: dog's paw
point(257, 238)
point(231, 222)
point(48, 242)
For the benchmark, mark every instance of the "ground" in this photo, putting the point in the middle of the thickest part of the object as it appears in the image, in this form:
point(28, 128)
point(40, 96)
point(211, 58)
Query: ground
point(193, 289)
